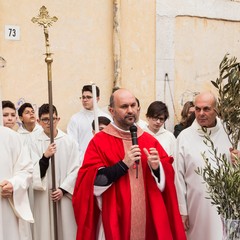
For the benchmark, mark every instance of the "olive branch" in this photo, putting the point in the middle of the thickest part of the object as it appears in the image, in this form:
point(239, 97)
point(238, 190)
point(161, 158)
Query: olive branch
point(228, 87)
point(222, 177)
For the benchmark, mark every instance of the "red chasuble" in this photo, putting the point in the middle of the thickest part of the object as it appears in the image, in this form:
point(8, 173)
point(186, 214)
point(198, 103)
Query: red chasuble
point(159, 211)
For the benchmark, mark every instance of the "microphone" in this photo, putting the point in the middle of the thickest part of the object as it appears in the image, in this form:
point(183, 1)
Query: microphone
point(133, 130)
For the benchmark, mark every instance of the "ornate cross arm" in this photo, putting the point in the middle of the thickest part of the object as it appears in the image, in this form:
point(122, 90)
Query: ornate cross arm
point(43, 19)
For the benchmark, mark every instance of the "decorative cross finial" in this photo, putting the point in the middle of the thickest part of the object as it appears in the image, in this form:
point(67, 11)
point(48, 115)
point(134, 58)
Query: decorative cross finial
point(43, 18)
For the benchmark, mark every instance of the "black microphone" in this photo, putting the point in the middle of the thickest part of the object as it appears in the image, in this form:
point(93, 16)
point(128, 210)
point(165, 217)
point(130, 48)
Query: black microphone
point(133, 130)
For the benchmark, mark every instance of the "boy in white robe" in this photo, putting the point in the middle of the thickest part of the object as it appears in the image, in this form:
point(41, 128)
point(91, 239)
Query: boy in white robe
point(79, 126)
point(157, 114)
point(9, 114)
point(15, 176)
point(29, 127)
point(67, 162)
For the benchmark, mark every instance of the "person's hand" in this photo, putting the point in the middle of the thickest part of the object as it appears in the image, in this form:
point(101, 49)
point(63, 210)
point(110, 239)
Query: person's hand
point(57, 195)
point(7, 189)
point(185, 220)
point(235, 155)
point(132, 155)
point(153, 157)
point(52, 148)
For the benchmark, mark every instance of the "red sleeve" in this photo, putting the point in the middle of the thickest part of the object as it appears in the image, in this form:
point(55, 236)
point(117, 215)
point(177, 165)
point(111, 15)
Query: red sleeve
point(84, 202)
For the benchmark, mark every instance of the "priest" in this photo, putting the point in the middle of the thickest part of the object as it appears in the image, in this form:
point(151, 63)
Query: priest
point(109, 201)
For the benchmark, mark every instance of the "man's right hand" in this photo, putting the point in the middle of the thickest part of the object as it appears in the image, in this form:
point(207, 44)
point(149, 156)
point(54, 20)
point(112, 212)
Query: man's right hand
point(134, 154)
point(185, 220)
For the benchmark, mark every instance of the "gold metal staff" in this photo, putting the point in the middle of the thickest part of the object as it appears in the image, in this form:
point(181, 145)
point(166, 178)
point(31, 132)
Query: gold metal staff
point(43, 19)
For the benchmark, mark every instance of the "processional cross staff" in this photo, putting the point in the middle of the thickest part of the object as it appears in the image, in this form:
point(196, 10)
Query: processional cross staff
point(43, 19)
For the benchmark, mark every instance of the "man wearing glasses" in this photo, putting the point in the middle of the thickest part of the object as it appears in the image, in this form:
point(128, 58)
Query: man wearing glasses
point(79, 126)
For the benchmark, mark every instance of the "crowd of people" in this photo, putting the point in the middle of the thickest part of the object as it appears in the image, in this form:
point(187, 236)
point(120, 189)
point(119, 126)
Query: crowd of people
point(92, 183)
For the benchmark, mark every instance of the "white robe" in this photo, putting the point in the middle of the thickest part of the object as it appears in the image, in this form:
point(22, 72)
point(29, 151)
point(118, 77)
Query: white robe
point(27, 136)
point(205, 223)
point(67, 163)
point(16, 167)
point(142, 124)
point(28, 139)
point(165, 138)
point(80, 127)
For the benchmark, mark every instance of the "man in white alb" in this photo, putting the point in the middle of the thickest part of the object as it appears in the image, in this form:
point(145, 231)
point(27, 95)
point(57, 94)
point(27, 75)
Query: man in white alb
point(200, 217)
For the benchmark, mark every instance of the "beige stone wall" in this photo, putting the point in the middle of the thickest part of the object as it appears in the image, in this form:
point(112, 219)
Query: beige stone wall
point(138, 49)
point(82, 43)
point(200, 45)
point(192, 37)
point(185, 40)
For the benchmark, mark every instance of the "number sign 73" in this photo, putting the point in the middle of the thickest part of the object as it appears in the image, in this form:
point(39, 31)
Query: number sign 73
point(12, 32)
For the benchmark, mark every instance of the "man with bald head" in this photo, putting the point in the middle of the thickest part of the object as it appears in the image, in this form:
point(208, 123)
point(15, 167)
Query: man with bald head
point(200, 218)
point(109, 201)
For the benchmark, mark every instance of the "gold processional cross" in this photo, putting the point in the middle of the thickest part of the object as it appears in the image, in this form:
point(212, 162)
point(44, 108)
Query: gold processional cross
point(43, 19)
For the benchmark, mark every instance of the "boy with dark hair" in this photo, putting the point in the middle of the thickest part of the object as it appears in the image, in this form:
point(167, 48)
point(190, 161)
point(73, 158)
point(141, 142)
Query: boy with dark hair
point(9, 114)
point(88, 88)
point(157, 114)
point(102, 123)
point(29, 127)
point(67, 162)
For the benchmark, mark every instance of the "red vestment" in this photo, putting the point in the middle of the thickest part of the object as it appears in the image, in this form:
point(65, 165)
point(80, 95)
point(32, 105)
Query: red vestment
point(163, 220)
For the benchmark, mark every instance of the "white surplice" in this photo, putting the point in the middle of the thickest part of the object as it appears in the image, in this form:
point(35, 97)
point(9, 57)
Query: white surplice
point(16, 167)
point(205, 223)
point(80, 127)
point(27, 136)
point(165, 138)
point(142, 124)
point(67, 163)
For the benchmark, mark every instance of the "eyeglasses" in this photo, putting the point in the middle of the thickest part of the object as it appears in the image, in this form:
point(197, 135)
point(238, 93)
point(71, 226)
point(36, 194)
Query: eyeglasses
point(86, 97)
point(161, 119)
point(47, 120)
